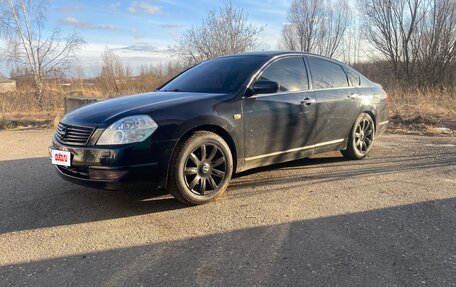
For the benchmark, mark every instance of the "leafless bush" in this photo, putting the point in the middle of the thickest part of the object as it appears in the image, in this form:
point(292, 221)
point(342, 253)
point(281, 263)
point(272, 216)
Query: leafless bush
point(316, 26)
point(226, 31)
point(116, 78)
point(111, 74)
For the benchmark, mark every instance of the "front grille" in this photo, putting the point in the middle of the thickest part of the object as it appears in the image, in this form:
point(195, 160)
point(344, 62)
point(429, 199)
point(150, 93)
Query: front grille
point(73, 135)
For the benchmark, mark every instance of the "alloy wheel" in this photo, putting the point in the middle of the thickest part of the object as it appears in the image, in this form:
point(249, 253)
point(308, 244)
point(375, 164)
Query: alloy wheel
point(205, 169)
point(364, 135)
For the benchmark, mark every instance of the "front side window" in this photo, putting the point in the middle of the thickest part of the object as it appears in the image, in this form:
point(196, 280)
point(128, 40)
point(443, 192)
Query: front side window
point(289, 73)
point(326, 75)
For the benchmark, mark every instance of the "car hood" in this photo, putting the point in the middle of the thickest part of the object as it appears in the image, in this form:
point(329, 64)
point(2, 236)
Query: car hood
point(104, 113)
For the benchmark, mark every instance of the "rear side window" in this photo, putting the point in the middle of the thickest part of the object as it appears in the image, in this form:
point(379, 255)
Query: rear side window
point(327, 75)
point(289, 73)
point(354, 77)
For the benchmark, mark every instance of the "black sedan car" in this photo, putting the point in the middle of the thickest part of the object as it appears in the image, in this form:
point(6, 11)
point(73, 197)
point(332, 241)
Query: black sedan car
point(223, 116)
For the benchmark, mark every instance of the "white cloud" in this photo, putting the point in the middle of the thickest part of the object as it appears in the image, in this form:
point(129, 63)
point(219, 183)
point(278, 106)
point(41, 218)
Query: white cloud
point(143, 48)
point(143, 7)
point(134, 55)
point(76, 23)
point(171, 26)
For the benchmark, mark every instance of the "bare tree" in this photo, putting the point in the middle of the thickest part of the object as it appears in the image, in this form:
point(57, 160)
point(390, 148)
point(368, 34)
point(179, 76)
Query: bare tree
point(111, 72)
point(223, 32)
point(316, 26)
point(28, 45)
point(390, 26)
point(435, 43)
point(352, 43)
point(114, 75)
point(416, 37)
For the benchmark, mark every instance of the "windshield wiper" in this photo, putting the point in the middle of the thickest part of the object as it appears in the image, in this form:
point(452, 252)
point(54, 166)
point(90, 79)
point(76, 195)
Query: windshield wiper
point(173, 90)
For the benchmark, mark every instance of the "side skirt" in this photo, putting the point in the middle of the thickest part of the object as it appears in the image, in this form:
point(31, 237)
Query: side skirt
point(291, 154)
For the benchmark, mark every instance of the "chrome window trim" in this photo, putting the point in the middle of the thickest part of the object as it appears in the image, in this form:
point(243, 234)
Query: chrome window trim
point(270, 61)
point(276, 59)
point(297, 92)
point(342, 66)
point(309, 74)
point(278, 94)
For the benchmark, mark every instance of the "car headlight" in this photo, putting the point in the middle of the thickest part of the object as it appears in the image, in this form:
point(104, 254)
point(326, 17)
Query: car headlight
point(128, 130)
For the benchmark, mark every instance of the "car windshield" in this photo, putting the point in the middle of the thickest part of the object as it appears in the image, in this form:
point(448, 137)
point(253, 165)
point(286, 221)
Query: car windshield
point(222, 75)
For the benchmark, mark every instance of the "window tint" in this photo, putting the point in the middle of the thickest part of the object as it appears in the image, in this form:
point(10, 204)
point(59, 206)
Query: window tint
point(354, 77)
point(290, 73)
point(222, 75)
point(364, 81)
point(326, 74)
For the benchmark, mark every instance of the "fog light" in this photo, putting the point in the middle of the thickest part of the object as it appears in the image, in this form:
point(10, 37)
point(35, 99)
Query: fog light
point(103, 174)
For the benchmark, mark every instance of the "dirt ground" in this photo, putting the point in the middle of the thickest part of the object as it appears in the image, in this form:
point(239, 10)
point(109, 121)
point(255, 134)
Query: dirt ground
point(389, 219)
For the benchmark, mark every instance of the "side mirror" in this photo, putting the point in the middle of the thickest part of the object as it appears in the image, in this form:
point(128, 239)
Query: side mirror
point(265, 87)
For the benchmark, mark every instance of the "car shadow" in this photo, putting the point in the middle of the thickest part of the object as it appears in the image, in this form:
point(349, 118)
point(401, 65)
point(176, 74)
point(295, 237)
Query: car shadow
point(33, 196)
point(402, 245)
point(306, 172)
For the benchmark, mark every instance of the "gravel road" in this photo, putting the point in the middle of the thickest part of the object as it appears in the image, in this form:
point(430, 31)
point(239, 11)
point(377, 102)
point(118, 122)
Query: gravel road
point(387, 220)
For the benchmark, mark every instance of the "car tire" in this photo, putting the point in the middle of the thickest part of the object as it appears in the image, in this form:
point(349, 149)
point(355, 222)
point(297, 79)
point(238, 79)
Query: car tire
point(361, 138)
point(200, 169)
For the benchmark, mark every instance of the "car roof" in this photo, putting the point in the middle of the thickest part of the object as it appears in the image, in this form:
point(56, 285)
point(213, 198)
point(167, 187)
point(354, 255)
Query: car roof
point(273, 54)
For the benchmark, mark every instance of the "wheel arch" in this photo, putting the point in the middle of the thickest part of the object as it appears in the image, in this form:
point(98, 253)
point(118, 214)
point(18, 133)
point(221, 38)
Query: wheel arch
point(223, 133)
point(372, 115)
point(351, 151)
point(371, 112)
point(218, 130)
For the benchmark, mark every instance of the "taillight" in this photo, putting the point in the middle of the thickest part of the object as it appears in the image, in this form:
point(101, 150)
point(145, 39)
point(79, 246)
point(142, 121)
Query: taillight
point(387, 99)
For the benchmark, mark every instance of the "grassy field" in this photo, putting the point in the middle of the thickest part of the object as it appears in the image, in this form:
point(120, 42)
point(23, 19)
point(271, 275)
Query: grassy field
point(412, 110)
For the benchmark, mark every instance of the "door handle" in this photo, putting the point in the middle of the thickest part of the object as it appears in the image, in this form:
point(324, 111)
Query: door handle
point(354, 96)
point(307, 101)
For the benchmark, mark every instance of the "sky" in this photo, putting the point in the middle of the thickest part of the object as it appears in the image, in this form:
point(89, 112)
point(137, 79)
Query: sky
point(142, 32)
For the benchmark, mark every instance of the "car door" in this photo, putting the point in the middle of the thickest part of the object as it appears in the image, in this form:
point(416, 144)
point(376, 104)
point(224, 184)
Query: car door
point(337, 102)
point(283, 123)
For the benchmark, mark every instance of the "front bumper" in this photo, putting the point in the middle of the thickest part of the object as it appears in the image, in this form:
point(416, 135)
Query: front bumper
point(118, 167)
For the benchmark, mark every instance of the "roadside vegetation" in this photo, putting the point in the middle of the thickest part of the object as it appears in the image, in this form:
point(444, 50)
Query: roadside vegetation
point(412, 53)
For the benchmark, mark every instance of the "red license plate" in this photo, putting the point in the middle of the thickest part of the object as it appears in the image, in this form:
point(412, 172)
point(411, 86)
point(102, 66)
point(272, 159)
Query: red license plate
point(59, 157)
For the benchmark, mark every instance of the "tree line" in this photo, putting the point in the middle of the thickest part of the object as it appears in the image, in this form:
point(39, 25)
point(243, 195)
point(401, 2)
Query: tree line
point(414, 40)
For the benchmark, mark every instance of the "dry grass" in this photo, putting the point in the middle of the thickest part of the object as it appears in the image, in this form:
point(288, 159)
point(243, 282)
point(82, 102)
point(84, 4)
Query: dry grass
point(412, 110)
point(20, 109)
point(422, 110)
